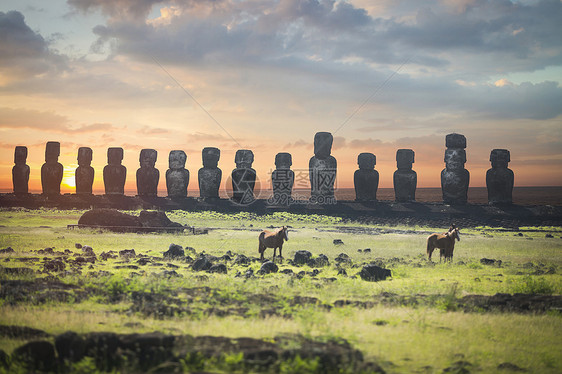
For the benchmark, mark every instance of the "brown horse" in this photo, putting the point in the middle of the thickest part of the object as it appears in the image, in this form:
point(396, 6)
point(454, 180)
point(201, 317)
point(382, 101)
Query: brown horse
point(272, 239)
point(445, 243)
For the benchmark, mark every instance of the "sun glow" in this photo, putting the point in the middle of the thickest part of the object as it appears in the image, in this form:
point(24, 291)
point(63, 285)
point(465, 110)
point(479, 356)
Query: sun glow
point(68, 179)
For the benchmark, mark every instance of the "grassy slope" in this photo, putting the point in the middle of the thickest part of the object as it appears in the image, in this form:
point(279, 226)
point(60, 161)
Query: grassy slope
point(406, 338)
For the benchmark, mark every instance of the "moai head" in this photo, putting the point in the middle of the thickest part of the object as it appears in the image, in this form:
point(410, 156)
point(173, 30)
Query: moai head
point(455, 158)
point(177, 159)
point(455, 141)
point(84, 156)
point(366, 161)
point(404, 158)
point(211, 157)
point(114, 155)
point(52, 152)
point(323, 144)
point(283, 160)
point(244, 158)
point(147, 158)
point(20, 155)
point(500, 158)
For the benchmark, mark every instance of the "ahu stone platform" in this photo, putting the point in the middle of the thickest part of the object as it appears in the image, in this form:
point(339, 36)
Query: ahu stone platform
point(380, 212)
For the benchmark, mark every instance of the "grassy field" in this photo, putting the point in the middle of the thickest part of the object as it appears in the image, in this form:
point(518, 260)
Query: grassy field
point(415, 321)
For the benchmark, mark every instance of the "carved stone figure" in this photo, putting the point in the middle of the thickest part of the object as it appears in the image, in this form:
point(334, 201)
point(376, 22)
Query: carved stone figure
point(243, 177)
point(210, 175)
point(114, 174)
point(366, 179)
point(84, 175)
point(177, 177)
point(499, 179)
point(322, 170)
point(405, 179)
point(455, 178)
point(282, 179)
point(147, 175)
point(20, 171)
point(52, 170)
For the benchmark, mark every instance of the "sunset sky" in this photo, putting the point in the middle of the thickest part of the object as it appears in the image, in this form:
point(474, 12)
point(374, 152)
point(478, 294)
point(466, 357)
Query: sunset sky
point(267, 75)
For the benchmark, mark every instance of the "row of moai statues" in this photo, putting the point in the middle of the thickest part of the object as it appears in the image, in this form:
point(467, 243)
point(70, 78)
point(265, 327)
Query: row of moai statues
point(322, 174)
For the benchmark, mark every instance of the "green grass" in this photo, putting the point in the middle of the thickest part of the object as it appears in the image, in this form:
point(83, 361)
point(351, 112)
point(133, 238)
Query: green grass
point(402, 338)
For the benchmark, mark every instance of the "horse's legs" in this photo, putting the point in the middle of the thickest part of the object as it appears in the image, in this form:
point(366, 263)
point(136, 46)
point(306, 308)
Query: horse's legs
point(261, 250)
point(280, 249)
point(430, 249)
point(274, 253)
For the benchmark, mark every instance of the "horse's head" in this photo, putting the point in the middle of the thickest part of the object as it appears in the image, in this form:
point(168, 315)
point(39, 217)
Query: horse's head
point(456, 233)
point(285, 232)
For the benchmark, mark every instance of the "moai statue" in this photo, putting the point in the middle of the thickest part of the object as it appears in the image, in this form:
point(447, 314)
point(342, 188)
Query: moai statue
point(499, 179)
point(366, 179)
point(84, 175)
point(322, 169)
point(282, 179)
point(52, 170)
point(210, 175)
point(455, 178)
point(147, 175)
point(114, 174)
point(177, 177)
point(405, 179)
point(243, 177)
point(20, 171)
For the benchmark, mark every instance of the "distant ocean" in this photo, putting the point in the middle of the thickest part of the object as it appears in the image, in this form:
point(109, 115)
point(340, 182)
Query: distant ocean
point(476, 195)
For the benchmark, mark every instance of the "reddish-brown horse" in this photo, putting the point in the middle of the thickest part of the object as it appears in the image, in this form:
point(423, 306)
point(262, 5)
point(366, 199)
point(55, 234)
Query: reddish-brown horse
point(272, 239)
point(445, 242)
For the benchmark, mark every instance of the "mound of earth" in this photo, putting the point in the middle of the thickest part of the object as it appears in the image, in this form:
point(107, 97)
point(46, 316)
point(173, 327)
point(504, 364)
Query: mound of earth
point(158, 352)
point(115, 218)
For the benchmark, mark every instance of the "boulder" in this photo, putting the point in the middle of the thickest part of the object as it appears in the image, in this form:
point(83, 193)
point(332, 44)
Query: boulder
point(108, 217)
point(174, 251)
point(127, 253)
point(202, 264)
point(54, 265)
point(302, 257)
point(268, 267)
point(342, 257)
point(88, 251)
point(218, 268)
point(70, 347)
point(36, 356)
point(374, 273)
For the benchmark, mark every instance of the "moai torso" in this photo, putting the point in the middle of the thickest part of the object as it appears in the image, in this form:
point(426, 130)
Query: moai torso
point(84, 175)
point(177, 177)
point(52, 170)
point(322, 169)
point(366, 179)
point(405, 179)
point(282, 179)
point(243, 177)
point(499, 179)
point(455, 178)
point(20, 171)
point(114, 174)
point(147, 175)
point(210, 175)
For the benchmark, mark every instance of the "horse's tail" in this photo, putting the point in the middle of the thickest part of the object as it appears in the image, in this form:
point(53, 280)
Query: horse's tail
point(430, 245)
point(261, 245)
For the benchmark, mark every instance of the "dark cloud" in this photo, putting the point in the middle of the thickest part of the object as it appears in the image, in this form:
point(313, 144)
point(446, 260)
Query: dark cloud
point(24, 52)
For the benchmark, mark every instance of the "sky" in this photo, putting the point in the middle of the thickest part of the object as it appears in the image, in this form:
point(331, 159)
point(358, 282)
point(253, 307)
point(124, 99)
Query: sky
point(267, 75)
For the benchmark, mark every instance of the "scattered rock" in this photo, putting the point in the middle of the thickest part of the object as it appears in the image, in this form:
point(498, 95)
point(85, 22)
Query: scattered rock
point(549, 236)
point(241, 260)
point(337, 242)
point(367, 250)
point(108, 255)
point(490, 261)
point(218, 268)
point(88, 251)
point(342, 257)
point(202, 264)
point(77, 245)
point(54, 265)
point(6, 250)
point(302, 257)
point(36, 355)
point(127, 253)
point(171, 274)
point(342, 272)
point(268, 267)
point(70, 347)
point(374, 273)
point(459, 367)
point(174, 251)
point(509, 366)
